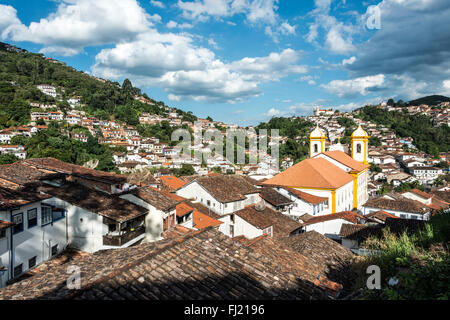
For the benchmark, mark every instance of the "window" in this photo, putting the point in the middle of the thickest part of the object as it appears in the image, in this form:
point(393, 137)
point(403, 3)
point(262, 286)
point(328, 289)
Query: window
point(2, 233)
point(54, 250)
point(403, 216)
point(18, 270)
point(209, 203)
point(18, 220)
point(32, 218)
point(56, 215)
point(46, 217)
point(358, 148)
point(316, 148)
point(31, 263)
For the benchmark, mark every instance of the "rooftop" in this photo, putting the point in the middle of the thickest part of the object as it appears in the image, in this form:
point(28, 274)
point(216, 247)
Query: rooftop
point(222, 269)
point(404, 205)
point(155, 198)
point(312, 173)
point(227, 188)
point(274, 197)
point(98, 202)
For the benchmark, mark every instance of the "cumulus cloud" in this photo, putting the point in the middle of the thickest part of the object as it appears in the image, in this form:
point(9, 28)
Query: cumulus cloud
point(157, 4)
point(172, 24)
point(8, 20)
point(408, 49)
point(153, 59)
point(254, 10)
point(338, 35)
point(81, 23)
point(270, 68)
point(353, 87)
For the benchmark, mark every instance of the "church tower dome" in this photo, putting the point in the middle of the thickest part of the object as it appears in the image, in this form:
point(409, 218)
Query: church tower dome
point(317, 140)
point(360, 145)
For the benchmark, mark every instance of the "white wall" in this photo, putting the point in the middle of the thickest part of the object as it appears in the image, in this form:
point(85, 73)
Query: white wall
point(35, 241)
point(330, 228)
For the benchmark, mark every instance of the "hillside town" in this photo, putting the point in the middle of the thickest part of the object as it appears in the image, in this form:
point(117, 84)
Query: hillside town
point(306, 222)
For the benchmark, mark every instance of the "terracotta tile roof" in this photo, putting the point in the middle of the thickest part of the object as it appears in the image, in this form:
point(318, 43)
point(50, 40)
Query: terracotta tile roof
point(293, 262)
point(405, 205)
point(443, 195)
point(202, 221)
point(197, 266)
point(56, 165)
point(155, 198)
point(381, 215)
point(23, 175)
point(346, 160)
point(274, 197)
point(254, 217)
point(183, 209)
point(109, 206)
point(358, 231)
point(142, 179)
point(283, 226)
point(309, 198)
point(5, 224)
point(10, 199)
point(420, 193)
point(171, 182)
point(312, 173)
point(349, 216)
point(333, 258)
point(227, 188)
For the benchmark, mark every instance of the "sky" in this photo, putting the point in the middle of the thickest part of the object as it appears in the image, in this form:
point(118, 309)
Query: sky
point(245, 61)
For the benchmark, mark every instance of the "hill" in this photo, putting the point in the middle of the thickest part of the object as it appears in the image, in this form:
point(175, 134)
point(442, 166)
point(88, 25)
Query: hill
point(21, 71)
point(430, 100)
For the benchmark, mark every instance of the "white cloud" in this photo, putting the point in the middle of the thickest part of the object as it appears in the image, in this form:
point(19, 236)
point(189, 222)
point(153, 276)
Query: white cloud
point(172, 24)
point(273, 113)
point(157, 4)
point(8, 20)
point(353, 87)
point(446, 84)
point(255, 10)
point(153, 59)
point(414, 58)
point(270, 68)
point(349, 61)
point(338, 36)
point(81, 23)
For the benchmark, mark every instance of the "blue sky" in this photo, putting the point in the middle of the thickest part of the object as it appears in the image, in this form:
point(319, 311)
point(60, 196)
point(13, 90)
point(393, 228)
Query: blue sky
point(244, 61)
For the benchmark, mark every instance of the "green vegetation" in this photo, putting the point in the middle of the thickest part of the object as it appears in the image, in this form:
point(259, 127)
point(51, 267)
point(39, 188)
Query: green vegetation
point(418, 260)
point(427, 138)
point(297, 130)
point(51, 143)
point(8, 158)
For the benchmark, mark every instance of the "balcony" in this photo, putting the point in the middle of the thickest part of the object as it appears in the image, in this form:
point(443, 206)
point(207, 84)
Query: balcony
point(125, 237)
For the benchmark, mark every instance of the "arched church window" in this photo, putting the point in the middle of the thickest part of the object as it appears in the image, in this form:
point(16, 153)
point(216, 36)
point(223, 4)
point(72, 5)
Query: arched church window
point(358, 148)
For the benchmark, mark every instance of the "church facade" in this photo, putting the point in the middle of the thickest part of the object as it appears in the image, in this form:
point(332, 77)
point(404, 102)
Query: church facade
point(335, 175)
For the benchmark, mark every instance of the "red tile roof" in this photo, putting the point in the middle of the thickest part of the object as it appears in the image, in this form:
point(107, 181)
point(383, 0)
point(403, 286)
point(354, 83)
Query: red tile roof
point(306, 196)
point(346, 160)
point(312, 173)
point(345, 215)
point(172, 182)
point(202, 221)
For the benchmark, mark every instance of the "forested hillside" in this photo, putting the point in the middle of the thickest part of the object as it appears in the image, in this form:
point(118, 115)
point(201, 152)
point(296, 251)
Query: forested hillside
point(22, 71)
point(427, 137)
